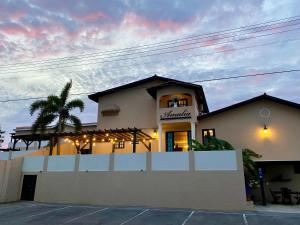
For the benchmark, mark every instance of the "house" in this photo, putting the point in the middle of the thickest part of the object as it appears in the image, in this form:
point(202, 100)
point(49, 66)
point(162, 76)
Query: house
point(159, 114)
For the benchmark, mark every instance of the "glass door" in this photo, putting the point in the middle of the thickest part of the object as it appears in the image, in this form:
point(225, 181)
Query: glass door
point(169, 141)
point(178, 141)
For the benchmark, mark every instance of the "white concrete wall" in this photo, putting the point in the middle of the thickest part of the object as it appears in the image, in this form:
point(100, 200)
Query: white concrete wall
point(16, 154)
point(155, 161)
point(4, 155)
point(61, 163)
point(170, 161)
point(94, 162)
point(130, 162)
point(215, 160)
point(33, 164)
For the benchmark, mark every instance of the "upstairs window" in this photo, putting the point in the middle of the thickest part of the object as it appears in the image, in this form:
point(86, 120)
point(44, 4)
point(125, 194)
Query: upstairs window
point(173, 101)
point(207, 133)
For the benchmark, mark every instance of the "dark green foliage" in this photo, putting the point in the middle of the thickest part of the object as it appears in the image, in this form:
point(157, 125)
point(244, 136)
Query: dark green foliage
point(56, 109)
point(211, 143)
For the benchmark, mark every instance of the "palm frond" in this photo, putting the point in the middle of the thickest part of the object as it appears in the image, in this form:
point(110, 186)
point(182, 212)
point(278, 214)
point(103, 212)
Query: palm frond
point(42, 121)
point(65, 93)
point(39, 104)
point(76, 122)
point(75, 103)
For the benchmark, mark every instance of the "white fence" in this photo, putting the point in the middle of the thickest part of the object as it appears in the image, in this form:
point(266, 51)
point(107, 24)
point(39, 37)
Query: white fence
point(33, 164)
point(176, 161)
point(94, 162)
point(130, 162)
point(166, 161)
point(61, 163)
point(215, 160)
point(4, 155)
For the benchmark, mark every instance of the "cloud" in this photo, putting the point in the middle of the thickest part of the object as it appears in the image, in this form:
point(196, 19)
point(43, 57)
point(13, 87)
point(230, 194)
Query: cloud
point(33, 30)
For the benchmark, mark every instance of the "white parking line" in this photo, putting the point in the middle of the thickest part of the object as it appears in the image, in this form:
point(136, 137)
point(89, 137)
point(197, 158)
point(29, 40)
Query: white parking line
point(49, 211)
point(17, 206)
point(245, 219)
point(187, 219)
point(79, 217)
point(132, 218)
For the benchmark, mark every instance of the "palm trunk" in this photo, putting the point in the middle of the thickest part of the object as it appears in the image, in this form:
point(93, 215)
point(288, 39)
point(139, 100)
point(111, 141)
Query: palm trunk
point(58, 139)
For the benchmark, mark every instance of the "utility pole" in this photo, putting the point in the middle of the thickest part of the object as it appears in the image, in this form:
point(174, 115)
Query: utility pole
point(1, 137)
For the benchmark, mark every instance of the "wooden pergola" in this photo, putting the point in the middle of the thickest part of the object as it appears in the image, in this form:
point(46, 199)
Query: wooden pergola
point(85, 140)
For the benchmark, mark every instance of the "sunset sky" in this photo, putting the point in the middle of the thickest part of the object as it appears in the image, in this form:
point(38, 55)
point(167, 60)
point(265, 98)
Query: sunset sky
point(45, 43)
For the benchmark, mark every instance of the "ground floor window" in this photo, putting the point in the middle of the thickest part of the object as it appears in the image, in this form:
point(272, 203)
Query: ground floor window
point(119, 145)
point(178, 141)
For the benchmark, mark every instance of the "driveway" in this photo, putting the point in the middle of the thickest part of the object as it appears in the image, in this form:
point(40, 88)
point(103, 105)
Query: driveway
point(33, 213)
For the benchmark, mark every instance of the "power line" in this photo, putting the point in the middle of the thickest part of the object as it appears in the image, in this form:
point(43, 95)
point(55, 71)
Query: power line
point(199, 81)
point(176, 59)
point(248, 75)
point(242, 28)
point(162, 53)
point(180, 44)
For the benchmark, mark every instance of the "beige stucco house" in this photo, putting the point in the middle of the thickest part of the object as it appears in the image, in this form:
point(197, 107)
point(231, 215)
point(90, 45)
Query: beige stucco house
point(159, 114)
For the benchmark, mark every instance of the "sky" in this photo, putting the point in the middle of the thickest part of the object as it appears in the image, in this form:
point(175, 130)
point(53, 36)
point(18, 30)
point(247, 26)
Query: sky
point(45, 43)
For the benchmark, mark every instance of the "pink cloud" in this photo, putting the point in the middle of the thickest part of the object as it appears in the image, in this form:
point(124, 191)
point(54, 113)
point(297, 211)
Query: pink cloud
point(13, 30)
point(133, 19)
point(92, 17)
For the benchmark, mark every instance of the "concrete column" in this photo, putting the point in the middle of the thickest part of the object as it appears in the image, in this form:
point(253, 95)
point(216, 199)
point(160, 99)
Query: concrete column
point(111, 162)
point(160, 133)
point(10, 155)
point(77, 161)
point(45, 164)
point(193, 130)
point(148, 161)
point(192, 160)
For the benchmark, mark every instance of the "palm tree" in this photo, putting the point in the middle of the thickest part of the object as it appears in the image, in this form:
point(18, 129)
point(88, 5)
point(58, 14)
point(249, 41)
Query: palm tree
point(56, 109)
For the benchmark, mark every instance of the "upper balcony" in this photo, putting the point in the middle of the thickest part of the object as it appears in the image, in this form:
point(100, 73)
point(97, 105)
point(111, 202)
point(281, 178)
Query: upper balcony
point(175, 100)
point(176, 107)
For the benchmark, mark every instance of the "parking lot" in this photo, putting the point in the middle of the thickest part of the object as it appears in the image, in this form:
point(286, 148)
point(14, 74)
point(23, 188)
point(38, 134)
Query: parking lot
point(33, 213)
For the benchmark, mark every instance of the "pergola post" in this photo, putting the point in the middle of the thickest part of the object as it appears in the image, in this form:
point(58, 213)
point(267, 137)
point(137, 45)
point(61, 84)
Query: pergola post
point(51, 145)
point(91, 145)
point(39, 146)
point(14, 144)
point(134, 141)
point(27, 144)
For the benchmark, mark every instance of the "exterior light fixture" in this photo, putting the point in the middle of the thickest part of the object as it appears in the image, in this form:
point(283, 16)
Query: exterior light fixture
point(265, 129)
point(84, 136)
point(106, 134)
point(155, 133)
point(102, 140)
point(115, 139)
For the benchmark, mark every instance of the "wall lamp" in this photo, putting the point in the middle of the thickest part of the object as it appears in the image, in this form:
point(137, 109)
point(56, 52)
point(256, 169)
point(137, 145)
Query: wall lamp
point(265, 129)
point(155, 133)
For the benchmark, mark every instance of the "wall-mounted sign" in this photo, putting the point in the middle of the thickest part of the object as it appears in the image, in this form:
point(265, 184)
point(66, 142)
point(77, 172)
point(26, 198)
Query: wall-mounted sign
point(170, 115)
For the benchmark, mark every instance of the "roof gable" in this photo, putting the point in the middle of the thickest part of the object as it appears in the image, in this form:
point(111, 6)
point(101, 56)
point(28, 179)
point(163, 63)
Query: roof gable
point(96, 96)
point(255, 99)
